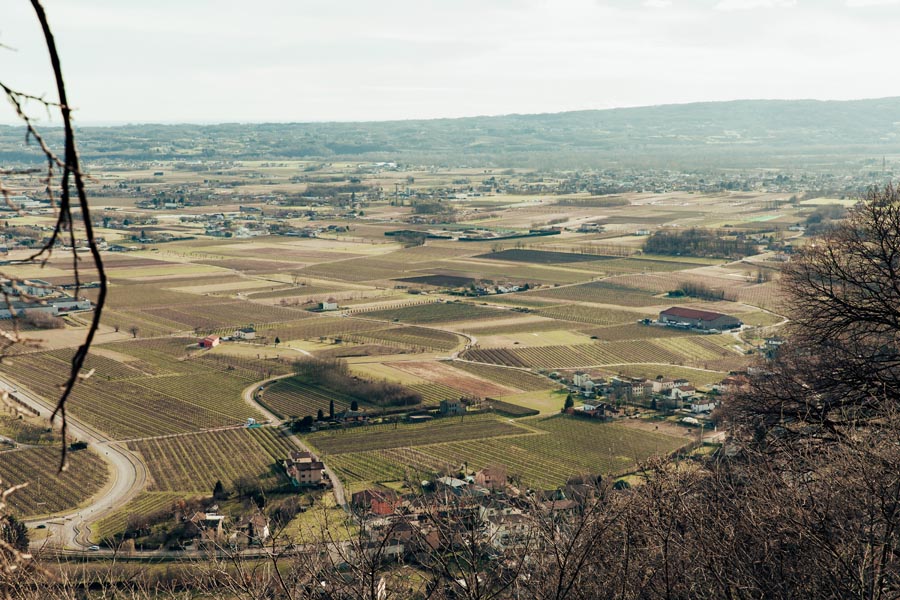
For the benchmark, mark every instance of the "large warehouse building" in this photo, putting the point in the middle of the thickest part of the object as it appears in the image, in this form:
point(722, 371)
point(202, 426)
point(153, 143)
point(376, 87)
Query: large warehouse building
point(701, 319)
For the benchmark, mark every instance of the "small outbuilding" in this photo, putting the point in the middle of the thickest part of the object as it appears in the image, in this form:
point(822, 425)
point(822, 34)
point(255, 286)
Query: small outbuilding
point(210, 341)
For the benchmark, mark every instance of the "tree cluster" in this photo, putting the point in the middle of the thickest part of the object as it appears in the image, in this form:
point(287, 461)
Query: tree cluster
point(699, 242)
point(333, 374)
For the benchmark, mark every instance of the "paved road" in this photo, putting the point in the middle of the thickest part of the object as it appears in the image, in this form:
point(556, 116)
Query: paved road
point(72, 529)
point(249, 396)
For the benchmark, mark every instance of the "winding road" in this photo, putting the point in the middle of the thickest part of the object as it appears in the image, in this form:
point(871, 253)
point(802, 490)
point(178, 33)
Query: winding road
point(129, 475)
point(249, 395)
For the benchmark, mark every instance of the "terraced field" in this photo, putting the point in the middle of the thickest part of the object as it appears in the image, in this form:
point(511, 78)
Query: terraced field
point(47, 490)
point(193, 463)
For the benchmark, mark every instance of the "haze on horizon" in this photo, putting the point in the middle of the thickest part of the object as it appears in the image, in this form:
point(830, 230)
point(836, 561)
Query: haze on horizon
point(225, 61)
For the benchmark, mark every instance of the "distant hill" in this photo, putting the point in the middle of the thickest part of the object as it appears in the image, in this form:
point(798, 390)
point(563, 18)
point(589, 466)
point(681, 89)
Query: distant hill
point(743, 133)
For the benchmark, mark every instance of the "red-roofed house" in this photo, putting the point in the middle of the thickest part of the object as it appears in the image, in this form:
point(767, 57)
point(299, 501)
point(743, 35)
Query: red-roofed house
point(210, 341)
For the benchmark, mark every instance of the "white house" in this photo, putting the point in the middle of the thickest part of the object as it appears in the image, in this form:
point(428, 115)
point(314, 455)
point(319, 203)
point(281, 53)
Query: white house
point(583, 380)
point(245, 333)
point(703, 405)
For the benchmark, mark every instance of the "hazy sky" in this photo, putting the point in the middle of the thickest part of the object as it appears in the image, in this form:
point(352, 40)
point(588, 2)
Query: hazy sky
point(313, 60)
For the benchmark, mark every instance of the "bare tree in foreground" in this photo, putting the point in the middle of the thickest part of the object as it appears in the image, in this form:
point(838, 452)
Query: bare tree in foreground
point(61, 174)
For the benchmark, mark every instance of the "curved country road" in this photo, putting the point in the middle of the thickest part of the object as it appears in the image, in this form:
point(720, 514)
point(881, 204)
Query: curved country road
point(249, 395)
point(71, 529)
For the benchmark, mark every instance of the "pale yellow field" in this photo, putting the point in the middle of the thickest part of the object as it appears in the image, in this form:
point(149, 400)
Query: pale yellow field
point(559, 337)
point(383, 371)
point(545, 401)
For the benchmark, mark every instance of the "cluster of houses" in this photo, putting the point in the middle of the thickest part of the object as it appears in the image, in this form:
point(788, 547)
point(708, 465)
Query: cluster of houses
point(244, 333)
point(602, 395)
point(213, 529)
point(23, 297)
point(451, 509)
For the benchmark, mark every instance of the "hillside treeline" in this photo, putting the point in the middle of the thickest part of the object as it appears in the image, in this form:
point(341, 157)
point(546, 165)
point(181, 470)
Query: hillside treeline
point(699, 242)
point(333, 374)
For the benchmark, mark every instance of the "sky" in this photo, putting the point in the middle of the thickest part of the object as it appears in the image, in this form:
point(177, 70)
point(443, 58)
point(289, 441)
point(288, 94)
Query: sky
point(210, 61)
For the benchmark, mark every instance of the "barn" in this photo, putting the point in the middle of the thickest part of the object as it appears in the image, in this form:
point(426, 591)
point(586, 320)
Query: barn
point(700, 319)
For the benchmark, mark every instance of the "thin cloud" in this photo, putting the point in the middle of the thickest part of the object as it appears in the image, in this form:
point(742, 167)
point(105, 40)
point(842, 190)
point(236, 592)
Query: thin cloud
point(865, 3)
point(657, 3)
point(754, 4)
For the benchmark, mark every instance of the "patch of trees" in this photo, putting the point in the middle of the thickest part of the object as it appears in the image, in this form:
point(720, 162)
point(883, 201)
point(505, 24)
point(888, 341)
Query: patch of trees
point(332, 191)
point(334, 375)
point(42, 320)
point(433, 208)
point(705, 243)
point(696, 289)
point(824, 218)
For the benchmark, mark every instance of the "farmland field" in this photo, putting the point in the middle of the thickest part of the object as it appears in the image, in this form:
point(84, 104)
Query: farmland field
point(157, 393)
point(49, 491)
point(293, 398)
point(511, 378)
point(558, 448)
point(193, 463)
point(410, 337)
point(676, 350)
point(603, 292)
point(437, 312)
point(439, 280)
point(591, 314)
point(144, 504)
point(443, 373)
point(447, 429)
point(181, 409)
point(542, 256)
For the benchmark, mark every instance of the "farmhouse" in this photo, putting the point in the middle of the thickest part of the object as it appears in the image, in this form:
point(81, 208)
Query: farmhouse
point(304, 468)
point(492, 478)
point(210, 341)
point(377, 502)
point(245, 333)
point(330, 304)
point(208, 525)
point(700, 319)
point(452, 407)
point(703, 405)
